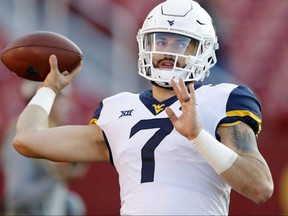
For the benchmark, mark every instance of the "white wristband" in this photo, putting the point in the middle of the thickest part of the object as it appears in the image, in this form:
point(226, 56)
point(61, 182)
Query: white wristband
point(219, 156)
point(44, 97)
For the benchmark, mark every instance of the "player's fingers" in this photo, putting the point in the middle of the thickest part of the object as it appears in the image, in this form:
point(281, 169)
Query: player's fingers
point(175, 88)
point(180, 91)
point(65, 73)
point(192, 93)
point(182, 85)
point(53, 63)
point(75, 71)
point(184, 92)
point(173, 118)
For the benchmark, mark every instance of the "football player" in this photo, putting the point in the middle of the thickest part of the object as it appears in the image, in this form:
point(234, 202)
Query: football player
point(178, 148)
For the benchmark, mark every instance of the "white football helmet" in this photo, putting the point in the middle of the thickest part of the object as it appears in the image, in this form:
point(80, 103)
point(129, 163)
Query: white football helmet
point(177, 40)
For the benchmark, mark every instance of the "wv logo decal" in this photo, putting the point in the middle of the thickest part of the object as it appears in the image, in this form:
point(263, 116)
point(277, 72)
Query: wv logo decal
point(158, 107)
point(126, 113)
point(171, 22)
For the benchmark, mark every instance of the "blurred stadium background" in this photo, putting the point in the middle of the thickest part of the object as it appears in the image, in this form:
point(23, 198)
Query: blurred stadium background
point(253, 50)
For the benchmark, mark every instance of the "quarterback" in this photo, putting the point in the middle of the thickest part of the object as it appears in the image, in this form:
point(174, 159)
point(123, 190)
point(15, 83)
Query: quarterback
point(178, 148)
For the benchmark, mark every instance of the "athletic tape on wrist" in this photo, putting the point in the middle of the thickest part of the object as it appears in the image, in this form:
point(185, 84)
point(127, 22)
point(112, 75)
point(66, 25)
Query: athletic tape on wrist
point(44, 97)
point(219, 156)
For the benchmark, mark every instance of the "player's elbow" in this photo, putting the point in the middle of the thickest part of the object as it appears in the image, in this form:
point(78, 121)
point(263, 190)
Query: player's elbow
point(263, 193)
point(20, 145)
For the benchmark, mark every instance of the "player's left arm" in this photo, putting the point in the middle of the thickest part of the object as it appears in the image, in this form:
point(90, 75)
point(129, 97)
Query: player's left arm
point(250, 174)
point(235, 155)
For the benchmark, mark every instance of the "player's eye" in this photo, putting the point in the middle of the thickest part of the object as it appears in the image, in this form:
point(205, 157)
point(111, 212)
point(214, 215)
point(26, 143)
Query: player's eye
point(161, 43)
point(181, 45)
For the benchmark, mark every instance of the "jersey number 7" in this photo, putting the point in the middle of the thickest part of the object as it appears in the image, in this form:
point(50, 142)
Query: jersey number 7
point(147, 152)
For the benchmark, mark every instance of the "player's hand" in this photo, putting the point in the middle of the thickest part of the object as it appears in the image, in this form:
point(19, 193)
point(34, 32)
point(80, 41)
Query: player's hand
point(188, 123)
point(56, 80)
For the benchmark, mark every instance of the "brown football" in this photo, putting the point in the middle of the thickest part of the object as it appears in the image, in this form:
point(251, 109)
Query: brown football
point(28, 56)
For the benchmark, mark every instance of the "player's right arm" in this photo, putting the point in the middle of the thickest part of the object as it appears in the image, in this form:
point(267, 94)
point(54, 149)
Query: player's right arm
point(66, 143)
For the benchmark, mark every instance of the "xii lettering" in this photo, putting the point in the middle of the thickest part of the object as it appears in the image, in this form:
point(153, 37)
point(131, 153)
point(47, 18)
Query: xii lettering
point(126, 113)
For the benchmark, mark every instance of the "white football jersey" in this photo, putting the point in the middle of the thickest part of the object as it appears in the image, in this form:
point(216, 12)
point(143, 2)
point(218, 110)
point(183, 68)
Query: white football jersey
point(160, 172)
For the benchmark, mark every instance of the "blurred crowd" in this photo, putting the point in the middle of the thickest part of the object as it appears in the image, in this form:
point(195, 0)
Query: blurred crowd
point(253, 51)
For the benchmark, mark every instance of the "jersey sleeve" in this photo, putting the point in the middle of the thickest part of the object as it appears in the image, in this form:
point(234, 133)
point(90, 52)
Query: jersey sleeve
point(96, 114)
point(94, 120)
point(242, 105)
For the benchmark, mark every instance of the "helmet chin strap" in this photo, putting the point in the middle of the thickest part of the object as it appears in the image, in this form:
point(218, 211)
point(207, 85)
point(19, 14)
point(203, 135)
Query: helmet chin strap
point(162, 76)
point(161, 85)
point(168, 86)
